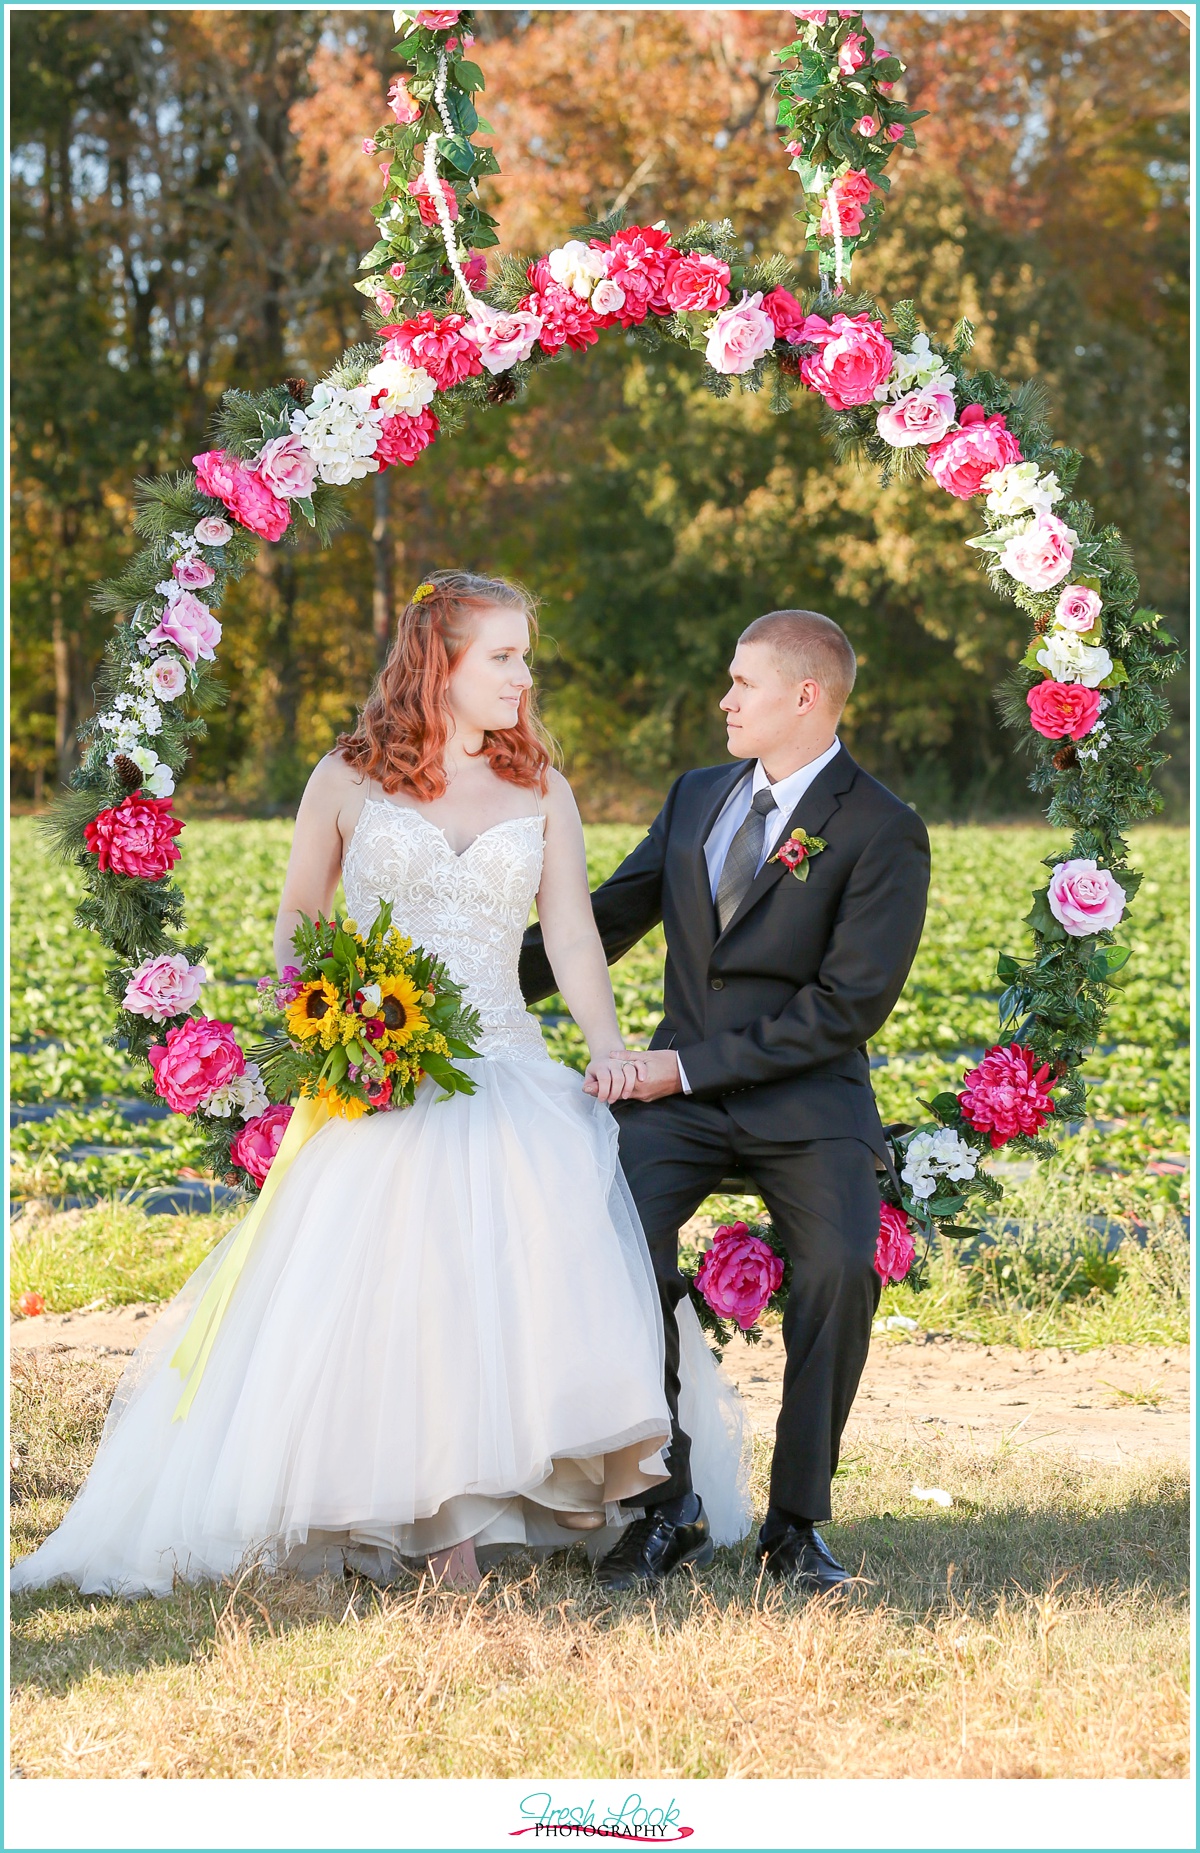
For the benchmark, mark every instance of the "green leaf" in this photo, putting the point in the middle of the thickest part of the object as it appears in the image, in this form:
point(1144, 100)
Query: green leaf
point(1106, 960)
point(459, 152)
point(304, 504)
point(1118, 674)
point(1041, 919)
point(466, 75)
point(945, 1107)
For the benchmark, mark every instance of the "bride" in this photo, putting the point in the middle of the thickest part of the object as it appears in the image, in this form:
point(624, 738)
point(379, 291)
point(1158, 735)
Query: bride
point(447, 1338)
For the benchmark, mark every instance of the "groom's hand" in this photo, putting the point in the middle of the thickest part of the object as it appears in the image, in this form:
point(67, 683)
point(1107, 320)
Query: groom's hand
point(658, 1075)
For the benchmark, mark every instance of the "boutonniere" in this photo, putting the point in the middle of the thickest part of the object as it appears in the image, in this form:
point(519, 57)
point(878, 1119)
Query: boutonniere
point(798, 851)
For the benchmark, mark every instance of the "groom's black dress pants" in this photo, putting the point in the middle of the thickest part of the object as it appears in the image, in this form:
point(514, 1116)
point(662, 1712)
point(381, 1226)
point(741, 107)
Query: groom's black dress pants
point(823, 1200)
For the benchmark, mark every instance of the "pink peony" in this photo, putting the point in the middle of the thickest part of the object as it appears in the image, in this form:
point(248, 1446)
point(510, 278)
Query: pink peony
point(851, 56)
point(200, 1056)
point(895, 130)
point(404, 107)
point(567, 321)
point(211, 531)
point(244, 494)
point(418, 189)
point(168, 678)
point(866, 125)
point(739, 1274)
point(286, 467)
point(641, 259)
point(135, 838)
point(786, 313)
point(437, 345)
point(259, 1139)
point(740, 336)
point(403, 436)
point(502, 339)
point(1078, 608)
point(188, 623)
point(1085, 899)
point(1005, 1095)
point(1040, 555)
point(855, 357)
point(163, 987)
point(894, 1246)
point(696, 282)
point(439, 18)
point(981, 444)
point(920, 417)
point(192, 573)
point(1063, 710)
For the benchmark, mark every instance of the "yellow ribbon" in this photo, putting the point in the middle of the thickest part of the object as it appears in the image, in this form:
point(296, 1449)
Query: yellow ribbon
point(197, 1342)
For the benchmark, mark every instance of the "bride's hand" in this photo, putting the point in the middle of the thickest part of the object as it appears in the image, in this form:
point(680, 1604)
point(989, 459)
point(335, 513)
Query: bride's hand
point(614, 1077)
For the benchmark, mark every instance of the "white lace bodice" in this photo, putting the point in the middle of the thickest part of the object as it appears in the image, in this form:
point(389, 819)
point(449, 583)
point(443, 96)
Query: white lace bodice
point(469, 910)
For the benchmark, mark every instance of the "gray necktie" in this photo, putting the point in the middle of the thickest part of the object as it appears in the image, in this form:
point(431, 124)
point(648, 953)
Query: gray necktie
point(741, 863)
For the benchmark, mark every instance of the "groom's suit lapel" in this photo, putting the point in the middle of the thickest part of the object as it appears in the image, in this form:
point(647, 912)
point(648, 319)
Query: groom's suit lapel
point(813, 812)
point(725, 786)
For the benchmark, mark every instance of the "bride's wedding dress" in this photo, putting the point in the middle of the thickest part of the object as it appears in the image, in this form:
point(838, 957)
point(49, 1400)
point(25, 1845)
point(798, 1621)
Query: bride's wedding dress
point(448, 1325)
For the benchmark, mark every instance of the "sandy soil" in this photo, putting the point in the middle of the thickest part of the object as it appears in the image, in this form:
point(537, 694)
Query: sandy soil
point(1109, 1405)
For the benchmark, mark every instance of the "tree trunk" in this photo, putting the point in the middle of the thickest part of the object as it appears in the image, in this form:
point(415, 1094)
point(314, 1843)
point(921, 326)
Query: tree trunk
point(64, 708)
point(381, 558)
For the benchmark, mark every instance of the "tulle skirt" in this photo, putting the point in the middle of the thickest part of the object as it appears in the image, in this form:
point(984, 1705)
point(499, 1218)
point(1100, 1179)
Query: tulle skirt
point(447, 1328)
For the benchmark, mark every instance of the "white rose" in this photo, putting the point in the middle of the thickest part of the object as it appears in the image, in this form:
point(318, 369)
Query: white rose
point(577, 267)
point(407, 389)
point(1066, 658)
point(607, 297)
point(1018, 489)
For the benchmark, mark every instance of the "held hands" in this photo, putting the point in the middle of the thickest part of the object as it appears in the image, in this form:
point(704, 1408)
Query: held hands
point(634, 1074)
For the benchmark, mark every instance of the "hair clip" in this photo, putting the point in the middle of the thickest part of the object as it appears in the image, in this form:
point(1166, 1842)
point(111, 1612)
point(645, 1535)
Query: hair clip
point(423, 591)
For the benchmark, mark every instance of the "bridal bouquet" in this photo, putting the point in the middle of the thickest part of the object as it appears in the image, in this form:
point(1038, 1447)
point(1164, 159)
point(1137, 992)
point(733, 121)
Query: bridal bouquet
point(368, 1016)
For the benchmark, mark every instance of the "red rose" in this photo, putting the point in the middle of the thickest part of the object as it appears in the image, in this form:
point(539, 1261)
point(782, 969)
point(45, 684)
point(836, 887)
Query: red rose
point(135, 838)
point(200, 1056)
point(698, 282)
point(418, 189)
point(1005, 1095)
point(403, 436)
point(894, 1246)
point(1063, 710)
point(786, 313)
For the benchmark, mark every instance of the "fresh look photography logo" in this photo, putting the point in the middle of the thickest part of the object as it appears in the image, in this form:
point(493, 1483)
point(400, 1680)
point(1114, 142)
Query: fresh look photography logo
point(633, 1818)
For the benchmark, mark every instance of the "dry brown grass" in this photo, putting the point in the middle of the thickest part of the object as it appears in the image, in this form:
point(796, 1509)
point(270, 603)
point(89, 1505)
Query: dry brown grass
point(1037, 1628)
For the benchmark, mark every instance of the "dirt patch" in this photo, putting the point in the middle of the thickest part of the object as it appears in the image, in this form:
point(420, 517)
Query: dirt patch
point(1117, 1404)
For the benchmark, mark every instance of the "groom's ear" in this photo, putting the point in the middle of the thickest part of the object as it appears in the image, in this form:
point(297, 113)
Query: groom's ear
point(809, 696)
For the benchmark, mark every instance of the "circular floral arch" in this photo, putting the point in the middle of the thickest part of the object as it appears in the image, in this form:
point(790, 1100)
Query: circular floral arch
point(451, 332)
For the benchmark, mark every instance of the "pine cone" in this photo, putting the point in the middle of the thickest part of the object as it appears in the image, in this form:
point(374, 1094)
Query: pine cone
point(1065, 758)
point(500, 388)
point(789, 364)
point(1042, 622)
point(129, 773)
point(298, 389)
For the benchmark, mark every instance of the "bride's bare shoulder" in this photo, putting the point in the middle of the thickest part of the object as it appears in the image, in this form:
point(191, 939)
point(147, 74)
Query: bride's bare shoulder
point(559, 800)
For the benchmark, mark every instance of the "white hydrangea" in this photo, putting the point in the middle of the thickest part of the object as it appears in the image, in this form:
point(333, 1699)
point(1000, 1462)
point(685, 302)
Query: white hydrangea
point(340, 431)
point(1018, 489)
point(161, 782)
point(920, 366)
point(245, 1094)
point(1066, 658)
point(932, 1156)
point(407, 389)
point(577, 267)
point(149, 716)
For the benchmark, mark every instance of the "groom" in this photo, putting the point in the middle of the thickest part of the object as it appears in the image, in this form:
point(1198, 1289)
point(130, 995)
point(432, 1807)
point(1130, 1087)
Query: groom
point(774, 981)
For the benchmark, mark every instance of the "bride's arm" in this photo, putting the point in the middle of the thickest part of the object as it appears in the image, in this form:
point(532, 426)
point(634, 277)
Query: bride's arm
point(573, 945)
point(316, 859)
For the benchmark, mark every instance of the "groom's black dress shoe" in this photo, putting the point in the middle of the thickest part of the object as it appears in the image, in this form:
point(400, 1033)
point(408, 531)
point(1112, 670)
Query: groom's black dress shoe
point(799, 1555)
point(653, 1546)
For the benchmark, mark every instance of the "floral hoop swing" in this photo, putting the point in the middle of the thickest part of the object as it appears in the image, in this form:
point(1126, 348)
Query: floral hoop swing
point(451, 334)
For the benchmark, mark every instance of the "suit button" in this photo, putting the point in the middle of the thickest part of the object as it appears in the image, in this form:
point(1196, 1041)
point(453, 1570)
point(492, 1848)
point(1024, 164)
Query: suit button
point(718, 984)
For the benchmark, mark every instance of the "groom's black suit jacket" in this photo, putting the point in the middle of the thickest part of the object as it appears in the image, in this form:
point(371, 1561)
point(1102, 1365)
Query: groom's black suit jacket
point(772, 1016)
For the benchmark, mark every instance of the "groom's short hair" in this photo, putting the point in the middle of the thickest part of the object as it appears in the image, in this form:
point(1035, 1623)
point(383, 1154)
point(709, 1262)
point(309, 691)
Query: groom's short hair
point(807, 643)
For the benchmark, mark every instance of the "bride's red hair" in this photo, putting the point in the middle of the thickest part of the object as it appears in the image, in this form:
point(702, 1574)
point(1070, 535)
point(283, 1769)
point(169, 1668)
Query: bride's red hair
point(402, 731)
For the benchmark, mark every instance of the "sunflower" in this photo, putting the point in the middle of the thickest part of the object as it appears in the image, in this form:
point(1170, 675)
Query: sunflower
point(308, 1012)
point(343, 1106)
point(400, 1011)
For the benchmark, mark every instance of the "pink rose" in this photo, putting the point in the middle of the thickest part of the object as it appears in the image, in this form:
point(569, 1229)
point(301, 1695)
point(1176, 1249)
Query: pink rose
point(640, 260)
point(697, 282)
point(188, 623)
point(566, 320)
point(437, 345)
point(503, 340)
point(286, 467)
point(244, 494)
point(1040, 555)
point(920, 417)
point(385, 302)
point(259, 1139)
point(1063, 710)
point(817, 15)
point(895, 130)
point(135, 838)
point(894, 1246)
point(211, 531)
point(192, 572)
point(981, 444)
point(418, 189)
point(1078, 608)
point(887, 88)
point(1005, 1095)
point(1085, 899)
point(855, 357)
point(396, 271)
point(866, 125)
point(608, 299)
point(403, 436)
point(404, 107)
point(475, 270)
point(787, 315)
point(794, 148)
point(439, 18)
point(739, 1274)
point(163, 987)
point(200, 1056)
point(740, 336)
point(851, 55)
point(370, 145)
point(168, 678)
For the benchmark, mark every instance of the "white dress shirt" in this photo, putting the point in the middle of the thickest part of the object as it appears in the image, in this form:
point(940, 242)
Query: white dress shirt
point(787, 794)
